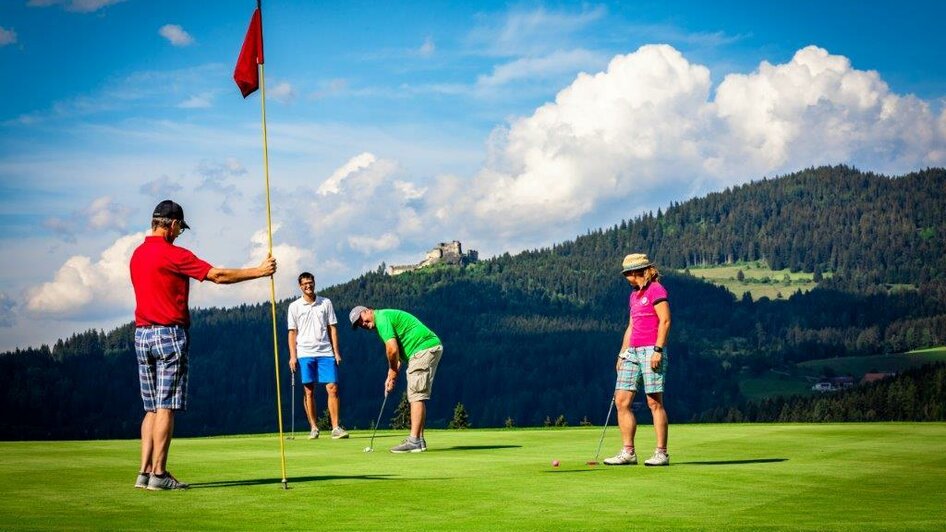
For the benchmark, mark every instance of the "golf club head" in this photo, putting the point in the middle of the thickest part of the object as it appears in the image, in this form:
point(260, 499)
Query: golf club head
point(367, 450)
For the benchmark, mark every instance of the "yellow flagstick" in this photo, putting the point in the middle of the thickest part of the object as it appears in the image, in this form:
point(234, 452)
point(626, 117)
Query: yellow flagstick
point(272, 282)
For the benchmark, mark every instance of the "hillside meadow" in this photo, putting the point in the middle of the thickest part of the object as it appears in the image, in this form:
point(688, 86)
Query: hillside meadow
point(881, 476)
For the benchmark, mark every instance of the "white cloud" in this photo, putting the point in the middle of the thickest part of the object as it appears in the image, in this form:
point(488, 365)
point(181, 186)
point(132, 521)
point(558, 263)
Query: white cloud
point(369, 244)
point(84, 288)
point(358, 162)
point(81, 6)
point(161, 187)
point(648, 124)
point(175, 35)
point(428, 48)
point(538, 68)
point(282, 92)
point(198, 101)
point(102, 214)
point(7, 310)
point(331, 87)
point(532, 32)
point(7, 36)
point(220, 178)
point(291, 261)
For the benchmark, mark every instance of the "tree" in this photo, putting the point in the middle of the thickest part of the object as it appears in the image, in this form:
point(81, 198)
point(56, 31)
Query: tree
point(461, 420)
point(402, 414)
point(560, 421)
point(510, 422)
point(740, 276)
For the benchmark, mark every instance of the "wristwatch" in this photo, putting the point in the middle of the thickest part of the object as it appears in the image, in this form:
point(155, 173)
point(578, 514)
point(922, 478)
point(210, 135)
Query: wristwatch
point(658, 349)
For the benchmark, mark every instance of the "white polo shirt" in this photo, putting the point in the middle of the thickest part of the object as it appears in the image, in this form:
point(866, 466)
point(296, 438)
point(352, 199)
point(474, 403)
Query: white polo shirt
point(311, 321)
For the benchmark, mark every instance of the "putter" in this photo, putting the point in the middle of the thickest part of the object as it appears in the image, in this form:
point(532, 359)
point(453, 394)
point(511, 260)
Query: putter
point(292, 432)
point(606, 420)
point(370, 446)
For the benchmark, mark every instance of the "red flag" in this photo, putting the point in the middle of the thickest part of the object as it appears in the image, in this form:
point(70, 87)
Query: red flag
point(246, 73)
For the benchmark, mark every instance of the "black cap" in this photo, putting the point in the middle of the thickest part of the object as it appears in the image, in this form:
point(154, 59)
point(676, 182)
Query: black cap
point(171, 210)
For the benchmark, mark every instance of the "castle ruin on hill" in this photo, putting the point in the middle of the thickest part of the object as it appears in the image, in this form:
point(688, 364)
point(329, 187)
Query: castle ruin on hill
point(442, 253)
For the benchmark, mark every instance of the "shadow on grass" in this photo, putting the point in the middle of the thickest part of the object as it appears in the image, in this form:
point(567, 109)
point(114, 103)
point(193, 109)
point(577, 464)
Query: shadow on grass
point(292, 480)
point(474, 448)
point(734, 462)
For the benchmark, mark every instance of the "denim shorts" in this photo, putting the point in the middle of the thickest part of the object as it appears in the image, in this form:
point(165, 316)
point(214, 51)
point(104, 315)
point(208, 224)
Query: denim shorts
point(162, 366)
point(635, 370)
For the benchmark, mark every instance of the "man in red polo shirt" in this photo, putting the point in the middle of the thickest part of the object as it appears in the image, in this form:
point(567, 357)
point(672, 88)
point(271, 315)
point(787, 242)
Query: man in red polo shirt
point(161, 274)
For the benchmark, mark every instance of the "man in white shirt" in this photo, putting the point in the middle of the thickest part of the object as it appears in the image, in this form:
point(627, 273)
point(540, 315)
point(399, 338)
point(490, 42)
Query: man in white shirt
point(313, 349)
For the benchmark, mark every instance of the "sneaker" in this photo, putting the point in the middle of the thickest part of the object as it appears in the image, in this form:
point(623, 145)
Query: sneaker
point(622, 458)
point(659, 459)
point(142, 481)
point(339, 433)
point(409, 445)
point(314, 434)
point(167, 482)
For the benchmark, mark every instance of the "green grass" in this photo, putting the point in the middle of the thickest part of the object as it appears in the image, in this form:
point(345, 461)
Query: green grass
point(760, 281)
point(882, 476)
point(798, 379)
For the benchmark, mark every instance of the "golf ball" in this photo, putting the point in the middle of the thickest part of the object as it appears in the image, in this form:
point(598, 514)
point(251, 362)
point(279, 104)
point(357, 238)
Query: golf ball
point(554, 463)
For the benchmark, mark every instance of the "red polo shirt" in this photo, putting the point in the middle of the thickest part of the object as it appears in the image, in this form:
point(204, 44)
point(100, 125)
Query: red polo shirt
point(161, 273)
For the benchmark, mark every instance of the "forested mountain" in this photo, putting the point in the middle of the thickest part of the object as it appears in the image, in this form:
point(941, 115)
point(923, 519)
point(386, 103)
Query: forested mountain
point(535, 334)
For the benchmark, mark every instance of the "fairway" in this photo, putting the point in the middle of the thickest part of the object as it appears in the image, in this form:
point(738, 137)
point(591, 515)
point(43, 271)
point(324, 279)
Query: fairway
point(779, 476)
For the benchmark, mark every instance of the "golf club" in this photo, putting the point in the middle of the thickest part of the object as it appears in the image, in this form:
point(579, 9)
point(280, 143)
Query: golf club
point(606, 420)
point(370, 446)
point(292, 431)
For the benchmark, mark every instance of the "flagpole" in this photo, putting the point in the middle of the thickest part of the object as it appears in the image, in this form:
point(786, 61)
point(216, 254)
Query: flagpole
point(272, 282)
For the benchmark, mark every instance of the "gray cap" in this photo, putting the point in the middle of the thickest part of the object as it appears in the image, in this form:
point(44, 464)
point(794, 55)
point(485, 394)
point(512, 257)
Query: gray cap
point(355, 315)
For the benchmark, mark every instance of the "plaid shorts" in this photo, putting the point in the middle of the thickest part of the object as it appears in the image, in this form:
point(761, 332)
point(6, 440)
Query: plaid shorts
point(162, 367)
point(636, 368)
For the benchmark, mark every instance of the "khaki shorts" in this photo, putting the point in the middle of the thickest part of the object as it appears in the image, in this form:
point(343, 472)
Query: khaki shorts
point(421, 369)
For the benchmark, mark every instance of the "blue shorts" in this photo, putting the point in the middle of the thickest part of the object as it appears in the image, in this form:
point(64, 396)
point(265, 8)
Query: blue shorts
point(324, 368)
point(162, 367)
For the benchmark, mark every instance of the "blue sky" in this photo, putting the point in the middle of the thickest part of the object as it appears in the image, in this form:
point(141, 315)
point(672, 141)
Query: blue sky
point(505, 125)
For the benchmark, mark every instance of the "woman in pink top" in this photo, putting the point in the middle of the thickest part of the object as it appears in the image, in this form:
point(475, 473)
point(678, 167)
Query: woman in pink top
point(642, 360)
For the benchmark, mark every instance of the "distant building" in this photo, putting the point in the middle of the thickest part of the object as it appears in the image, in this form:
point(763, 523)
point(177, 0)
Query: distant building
point(442, 253)
point(876, 376)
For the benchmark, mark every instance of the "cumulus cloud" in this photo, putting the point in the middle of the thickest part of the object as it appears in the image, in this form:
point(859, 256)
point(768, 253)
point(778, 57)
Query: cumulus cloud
point(81, 6)
point(291, 260)
point(7, 36)
point(369, 200)
point(84, 288)
point(102, 214)
point(650, 122)
point(175, 35)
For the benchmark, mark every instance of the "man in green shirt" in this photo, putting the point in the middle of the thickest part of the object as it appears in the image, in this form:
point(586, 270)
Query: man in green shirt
point(405, 338)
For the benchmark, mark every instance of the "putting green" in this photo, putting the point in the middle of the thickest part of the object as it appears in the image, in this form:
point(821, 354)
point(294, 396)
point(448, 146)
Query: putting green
point(739, 476)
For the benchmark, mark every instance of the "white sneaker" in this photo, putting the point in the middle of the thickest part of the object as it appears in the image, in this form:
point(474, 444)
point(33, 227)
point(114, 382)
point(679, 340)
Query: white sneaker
point(622, 458)
point(314, 434)
point(659, 459)
point(338, 433)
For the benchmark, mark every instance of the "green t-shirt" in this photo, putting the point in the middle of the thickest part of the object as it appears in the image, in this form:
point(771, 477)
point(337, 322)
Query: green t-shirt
point(412, 335)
